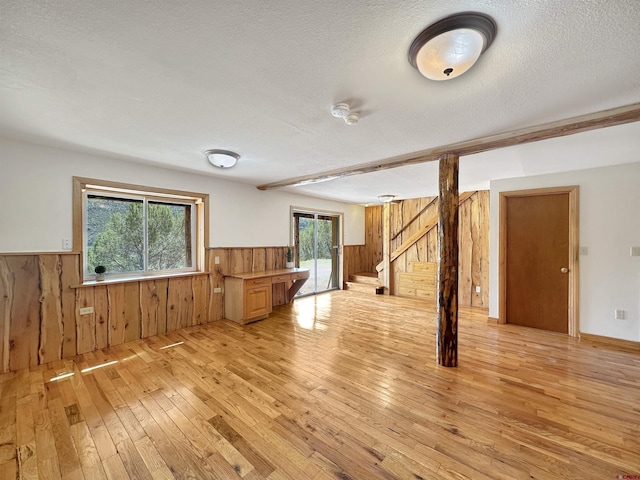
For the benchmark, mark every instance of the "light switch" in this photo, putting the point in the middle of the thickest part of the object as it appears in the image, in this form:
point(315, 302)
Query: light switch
point(216, 260)
point(635, 251)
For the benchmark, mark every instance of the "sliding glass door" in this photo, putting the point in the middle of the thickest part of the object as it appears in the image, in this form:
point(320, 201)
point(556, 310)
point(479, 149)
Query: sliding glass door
point(316, 238)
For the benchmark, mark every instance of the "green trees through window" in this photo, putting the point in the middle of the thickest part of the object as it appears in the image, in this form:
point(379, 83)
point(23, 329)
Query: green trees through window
point(137, 235)
point(316, 238)
point(325, 239)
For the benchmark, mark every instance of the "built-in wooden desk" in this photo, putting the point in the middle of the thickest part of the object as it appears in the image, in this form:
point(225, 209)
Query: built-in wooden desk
point(248, 296)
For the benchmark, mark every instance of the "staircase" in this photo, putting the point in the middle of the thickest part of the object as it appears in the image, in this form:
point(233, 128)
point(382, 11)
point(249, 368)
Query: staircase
point(365, 282)
point(419, 281)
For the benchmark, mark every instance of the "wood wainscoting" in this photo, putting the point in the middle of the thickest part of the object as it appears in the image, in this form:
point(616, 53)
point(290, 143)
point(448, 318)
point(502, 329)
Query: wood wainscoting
point(41, 298)
point(337, 386)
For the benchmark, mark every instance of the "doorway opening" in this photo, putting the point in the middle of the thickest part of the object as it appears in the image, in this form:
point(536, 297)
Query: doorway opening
point(316, 237)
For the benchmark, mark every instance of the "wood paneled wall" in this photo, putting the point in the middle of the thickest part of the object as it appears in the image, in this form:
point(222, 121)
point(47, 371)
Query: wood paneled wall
point(473, 243)
point(248, 259)
point(364, 258)
point(354, 260)
point(372, 237)
point(40, 302)
point(407, 218)
point(419, 282)
point(473, 260)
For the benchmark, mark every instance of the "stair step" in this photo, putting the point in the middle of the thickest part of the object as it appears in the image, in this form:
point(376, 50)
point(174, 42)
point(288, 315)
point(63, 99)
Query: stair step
point(361, 287)
point(365, 277)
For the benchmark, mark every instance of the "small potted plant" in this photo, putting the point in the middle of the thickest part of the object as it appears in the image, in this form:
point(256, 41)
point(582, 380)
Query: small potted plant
point(290, 263)
point(100, 271)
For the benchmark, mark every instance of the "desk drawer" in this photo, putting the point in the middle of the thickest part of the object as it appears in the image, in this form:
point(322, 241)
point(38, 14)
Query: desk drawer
point(281, 278)
point(299, 275)
point(257, 282)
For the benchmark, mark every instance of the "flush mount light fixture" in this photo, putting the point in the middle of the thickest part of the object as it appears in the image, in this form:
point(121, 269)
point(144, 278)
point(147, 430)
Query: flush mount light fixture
point(451, 46)
point(386, 198)
point(222, 158)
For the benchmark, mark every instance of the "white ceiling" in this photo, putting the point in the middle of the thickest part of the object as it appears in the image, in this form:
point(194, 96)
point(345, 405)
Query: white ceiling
point(161, 82)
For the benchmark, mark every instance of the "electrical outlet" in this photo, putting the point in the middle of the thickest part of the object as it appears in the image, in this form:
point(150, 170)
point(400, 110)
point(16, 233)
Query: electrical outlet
point(66, 244)
point(217, 290)
point(635, 251)
point(478, 289)
point(86, 310)
point(216, 260)
point(619, 314)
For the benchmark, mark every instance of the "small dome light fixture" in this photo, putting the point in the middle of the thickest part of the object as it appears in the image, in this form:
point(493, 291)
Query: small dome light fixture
point(386, 198)
point(451, 46)
point(222, 158)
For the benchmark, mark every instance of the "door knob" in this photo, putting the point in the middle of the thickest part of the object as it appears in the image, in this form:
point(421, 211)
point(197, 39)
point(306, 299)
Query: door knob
point(564, 270)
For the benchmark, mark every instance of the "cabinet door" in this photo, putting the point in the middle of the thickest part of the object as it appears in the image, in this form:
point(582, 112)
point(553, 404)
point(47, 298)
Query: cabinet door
point(257, 302)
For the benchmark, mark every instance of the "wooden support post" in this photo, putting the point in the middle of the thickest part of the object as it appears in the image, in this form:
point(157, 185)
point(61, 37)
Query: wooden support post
point(386, 247)
point(447, 333)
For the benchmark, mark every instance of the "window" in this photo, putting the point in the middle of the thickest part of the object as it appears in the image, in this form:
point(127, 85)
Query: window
point(135, 231)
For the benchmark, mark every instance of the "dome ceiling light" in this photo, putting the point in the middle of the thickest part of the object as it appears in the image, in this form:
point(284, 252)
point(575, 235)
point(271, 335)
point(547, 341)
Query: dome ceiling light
point(451, 46)
point(386, 198)
point(222, 158)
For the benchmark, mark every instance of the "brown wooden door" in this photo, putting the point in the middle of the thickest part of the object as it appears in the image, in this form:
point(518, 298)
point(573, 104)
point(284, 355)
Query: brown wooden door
point(537, 261)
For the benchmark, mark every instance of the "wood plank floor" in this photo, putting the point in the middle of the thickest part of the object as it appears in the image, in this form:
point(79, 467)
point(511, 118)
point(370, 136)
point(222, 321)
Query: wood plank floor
point(338, 386)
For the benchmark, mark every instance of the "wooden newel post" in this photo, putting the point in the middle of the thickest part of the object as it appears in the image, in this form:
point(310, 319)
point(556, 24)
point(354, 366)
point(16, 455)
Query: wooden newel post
point(447, 333)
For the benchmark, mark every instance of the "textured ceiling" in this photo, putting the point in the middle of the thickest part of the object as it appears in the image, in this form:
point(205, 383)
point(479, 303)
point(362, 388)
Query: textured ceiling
point(160, 82)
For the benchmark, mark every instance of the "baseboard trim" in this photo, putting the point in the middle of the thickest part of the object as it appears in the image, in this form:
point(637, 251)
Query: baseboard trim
point(494, 320)
point(612, 342)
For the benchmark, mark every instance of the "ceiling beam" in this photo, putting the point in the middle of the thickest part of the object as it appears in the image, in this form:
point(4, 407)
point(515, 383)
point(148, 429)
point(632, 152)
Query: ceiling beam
point(560, 128)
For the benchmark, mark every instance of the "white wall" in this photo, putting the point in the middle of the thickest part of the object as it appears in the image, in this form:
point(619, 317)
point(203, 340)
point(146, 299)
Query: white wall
point(36, 200)
point(609, 206)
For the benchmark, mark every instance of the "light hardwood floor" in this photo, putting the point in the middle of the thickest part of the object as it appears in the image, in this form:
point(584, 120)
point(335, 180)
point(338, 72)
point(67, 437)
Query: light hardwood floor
point(338, 386)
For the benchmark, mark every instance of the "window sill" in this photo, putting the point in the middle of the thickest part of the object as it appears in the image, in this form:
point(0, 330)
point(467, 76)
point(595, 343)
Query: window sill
point(140, 278)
